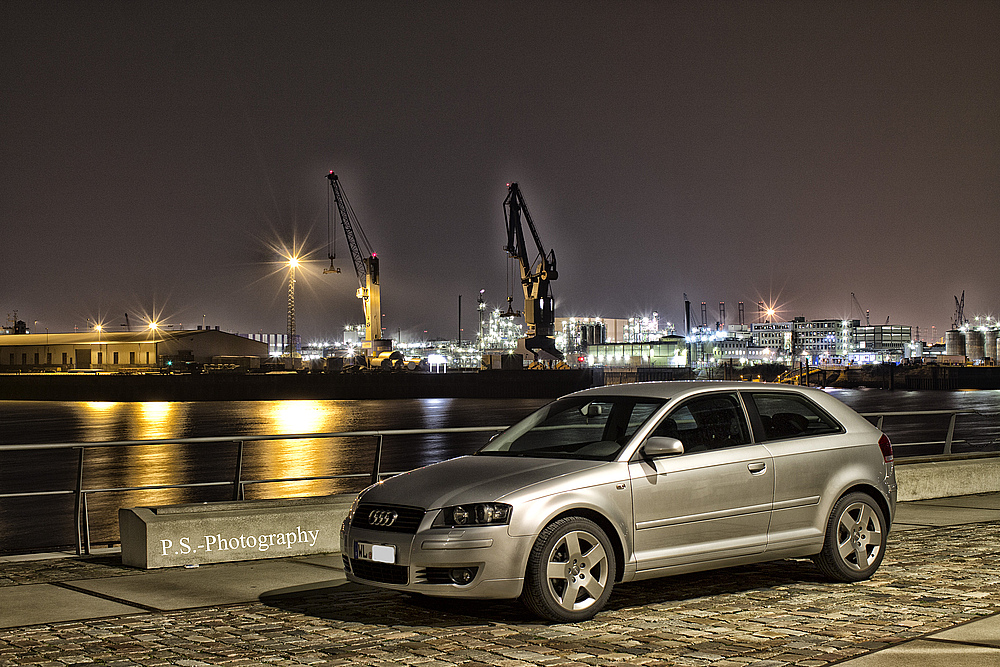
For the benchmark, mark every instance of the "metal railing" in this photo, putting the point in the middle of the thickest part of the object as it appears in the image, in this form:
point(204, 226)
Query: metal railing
point(238, 482)
point(949, 438)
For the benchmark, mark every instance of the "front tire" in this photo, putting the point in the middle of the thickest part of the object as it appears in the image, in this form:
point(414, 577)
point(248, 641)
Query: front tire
point(571, 571)
point(855, 539)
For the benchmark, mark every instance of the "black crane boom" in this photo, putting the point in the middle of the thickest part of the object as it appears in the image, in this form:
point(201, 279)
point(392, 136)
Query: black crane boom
point(346, 216)
point(539, 309)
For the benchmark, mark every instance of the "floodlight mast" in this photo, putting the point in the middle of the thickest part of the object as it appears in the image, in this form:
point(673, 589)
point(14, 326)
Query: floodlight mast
point(539, 307)
point(366, 269)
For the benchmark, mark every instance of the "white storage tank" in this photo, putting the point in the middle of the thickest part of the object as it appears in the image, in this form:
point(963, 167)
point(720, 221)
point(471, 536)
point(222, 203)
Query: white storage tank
point(954, 343)
point(975, 343)
point(990, 347)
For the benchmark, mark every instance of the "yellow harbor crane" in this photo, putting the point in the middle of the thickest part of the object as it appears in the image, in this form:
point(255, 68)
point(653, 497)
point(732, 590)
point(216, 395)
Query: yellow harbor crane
point(366, 268)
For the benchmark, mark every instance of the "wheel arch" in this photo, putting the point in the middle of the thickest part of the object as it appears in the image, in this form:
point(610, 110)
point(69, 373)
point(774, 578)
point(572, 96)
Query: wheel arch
point(876, 495)
point(607, 526)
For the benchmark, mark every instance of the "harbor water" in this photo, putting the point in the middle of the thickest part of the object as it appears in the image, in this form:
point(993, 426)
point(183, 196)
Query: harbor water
point(41, 523)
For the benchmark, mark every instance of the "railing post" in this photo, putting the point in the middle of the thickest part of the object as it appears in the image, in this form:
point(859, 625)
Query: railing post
point(880, 419)
point(378, 459)
point(86, 525)
point(238, 478)
point(78, 502)
point(951, 433)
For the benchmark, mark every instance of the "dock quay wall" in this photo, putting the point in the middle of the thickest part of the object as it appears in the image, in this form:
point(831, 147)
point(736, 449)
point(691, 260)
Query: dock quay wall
point(911, 377)
point(937, 477)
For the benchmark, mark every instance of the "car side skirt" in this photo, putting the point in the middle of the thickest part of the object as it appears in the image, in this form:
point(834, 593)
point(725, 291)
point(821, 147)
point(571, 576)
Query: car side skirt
point(798, 551)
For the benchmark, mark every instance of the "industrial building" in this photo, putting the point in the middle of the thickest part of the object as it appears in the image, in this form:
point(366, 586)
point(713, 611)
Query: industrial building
point(669, 352)
point(125, 351)
point(818, 342)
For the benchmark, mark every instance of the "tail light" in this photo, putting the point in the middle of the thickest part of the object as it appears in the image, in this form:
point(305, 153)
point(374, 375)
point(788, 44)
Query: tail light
point(886, 447)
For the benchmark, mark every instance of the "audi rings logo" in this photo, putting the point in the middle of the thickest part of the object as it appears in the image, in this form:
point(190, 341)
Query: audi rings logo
point(382, 518)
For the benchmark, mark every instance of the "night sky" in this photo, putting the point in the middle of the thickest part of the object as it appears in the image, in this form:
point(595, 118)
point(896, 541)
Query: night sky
point(157, 157)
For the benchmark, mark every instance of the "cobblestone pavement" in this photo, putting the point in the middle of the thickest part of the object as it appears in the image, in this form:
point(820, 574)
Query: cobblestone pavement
point(774, 614)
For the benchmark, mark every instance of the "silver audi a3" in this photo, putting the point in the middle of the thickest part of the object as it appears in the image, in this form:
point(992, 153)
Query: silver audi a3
point(623, 483)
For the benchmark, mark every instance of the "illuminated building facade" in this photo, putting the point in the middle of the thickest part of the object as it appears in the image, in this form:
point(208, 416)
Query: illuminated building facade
point(879, 343)
point(821, 341)
point(277, 344)
point(122, 351)
point(669, 352)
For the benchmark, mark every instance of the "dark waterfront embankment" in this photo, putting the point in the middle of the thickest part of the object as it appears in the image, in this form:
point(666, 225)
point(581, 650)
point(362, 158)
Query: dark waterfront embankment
point(482, 384)
point(295, 386)
point(915, 377)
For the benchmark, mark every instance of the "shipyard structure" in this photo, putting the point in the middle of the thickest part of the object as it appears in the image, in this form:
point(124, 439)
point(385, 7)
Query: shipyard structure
point(586, 342)
point(799, 341)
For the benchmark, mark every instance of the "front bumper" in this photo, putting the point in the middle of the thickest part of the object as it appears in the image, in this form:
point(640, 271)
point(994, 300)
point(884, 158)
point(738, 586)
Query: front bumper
point(423, 561)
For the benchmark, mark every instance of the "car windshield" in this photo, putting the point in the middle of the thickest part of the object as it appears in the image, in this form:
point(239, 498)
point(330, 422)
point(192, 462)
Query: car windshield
point(577, 427)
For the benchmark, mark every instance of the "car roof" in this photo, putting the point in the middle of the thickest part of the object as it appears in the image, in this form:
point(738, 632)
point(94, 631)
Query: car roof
point(678, 388)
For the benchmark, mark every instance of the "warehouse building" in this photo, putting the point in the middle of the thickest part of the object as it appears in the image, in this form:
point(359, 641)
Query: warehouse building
point(125, 351)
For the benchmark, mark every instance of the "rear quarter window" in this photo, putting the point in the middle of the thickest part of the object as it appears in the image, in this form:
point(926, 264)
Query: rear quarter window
point(786, 415)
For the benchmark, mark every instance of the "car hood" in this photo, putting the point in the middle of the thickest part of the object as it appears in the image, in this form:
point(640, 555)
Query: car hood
point(470, 479)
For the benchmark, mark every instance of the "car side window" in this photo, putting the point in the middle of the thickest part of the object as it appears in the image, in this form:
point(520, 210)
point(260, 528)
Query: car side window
point(707, 422)
point(790, 415)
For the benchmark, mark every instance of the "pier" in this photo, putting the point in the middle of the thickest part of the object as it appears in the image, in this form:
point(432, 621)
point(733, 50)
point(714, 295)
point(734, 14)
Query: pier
point(933, 601)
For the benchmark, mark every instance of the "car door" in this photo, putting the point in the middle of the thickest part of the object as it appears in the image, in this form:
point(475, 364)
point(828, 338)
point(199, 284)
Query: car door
point(709, 503)
point(809, 452)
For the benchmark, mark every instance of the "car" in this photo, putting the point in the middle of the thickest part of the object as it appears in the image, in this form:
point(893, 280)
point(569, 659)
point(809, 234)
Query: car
point(629, 482)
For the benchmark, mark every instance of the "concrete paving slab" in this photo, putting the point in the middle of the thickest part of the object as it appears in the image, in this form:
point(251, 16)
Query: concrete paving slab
point(45, 603)
point(924, 653)
point(921, 514)
point(986, 631)
point(207, 585)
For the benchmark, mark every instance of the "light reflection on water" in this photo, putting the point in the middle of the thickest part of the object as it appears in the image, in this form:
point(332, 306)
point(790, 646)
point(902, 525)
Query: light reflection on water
point(211, 465)
point(300, 457)
point(271, 459)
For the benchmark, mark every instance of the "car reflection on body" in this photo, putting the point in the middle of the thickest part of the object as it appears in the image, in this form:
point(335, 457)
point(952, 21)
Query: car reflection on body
point(623, 483)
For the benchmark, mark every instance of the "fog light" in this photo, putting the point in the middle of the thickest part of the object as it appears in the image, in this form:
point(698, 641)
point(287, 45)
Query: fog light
point(462, 575)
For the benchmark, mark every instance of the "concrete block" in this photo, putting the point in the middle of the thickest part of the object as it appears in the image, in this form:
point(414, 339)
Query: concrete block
point(941, 479)
point(174, 535)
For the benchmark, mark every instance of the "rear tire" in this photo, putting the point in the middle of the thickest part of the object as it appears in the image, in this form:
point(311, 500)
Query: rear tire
point(855, 539)
point(571, 571)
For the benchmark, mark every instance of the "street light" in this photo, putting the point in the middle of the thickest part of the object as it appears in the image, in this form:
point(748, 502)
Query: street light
point(98, 327)
point(293, 263)
point(153, 327)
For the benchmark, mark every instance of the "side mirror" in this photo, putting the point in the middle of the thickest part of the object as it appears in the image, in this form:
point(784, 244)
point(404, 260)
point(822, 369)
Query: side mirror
point(658, 446)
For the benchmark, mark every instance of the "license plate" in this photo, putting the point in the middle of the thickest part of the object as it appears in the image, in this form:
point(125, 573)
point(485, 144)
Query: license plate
point(380, 553)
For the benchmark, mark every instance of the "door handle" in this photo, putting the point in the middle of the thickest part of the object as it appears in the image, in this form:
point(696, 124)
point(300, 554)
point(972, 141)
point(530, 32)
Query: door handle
point(757, 468)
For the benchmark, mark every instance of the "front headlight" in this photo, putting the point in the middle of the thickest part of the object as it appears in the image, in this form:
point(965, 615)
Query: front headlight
point(474, 514)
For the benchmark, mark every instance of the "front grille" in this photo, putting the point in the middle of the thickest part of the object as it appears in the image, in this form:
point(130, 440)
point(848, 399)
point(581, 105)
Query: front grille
point(377, 517)
point(383, 573)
